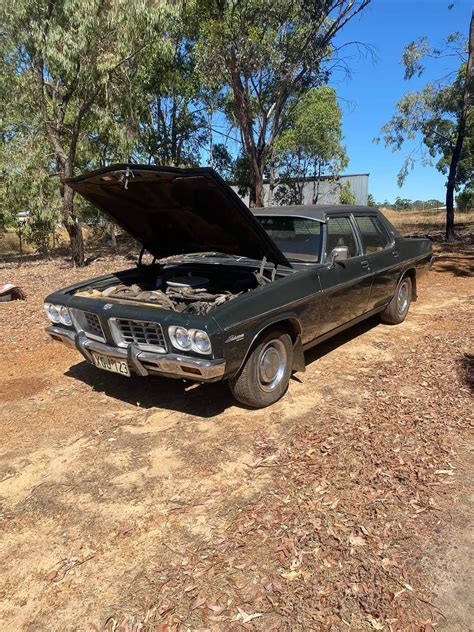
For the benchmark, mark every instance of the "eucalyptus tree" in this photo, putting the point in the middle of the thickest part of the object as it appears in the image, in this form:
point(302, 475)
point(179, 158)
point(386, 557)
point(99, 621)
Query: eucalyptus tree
point(265, 54)
point(310, 144)
point(171, 112)
point(441, 113)
point(30, 201)
point(73, 57)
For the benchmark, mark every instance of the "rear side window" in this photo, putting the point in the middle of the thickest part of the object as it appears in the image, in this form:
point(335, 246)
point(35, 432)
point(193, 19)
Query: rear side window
point(374, 236)
point(341, 233)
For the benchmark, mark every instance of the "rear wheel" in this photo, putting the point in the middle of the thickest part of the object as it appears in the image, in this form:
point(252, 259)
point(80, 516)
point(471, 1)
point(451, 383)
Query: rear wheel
point(396, 311)
point(266, 373)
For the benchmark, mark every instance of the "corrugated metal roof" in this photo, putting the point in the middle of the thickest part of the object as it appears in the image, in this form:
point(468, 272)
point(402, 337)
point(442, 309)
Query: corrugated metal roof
point(318, 213)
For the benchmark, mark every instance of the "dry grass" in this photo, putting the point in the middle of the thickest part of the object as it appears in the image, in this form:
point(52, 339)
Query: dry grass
point(429, 222)
point(10, 244)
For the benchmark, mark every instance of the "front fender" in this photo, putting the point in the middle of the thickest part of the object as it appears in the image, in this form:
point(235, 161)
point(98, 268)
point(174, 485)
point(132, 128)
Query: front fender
point(239, 342)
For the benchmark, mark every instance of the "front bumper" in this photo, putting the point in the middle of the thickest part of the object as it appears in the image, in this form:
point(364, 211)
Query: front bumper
point(143, 362)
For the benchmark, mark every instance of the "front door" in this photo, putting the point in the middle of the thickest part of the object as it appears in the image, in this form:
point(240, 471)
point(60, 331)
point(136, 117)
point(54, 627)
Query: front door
point(346, 285)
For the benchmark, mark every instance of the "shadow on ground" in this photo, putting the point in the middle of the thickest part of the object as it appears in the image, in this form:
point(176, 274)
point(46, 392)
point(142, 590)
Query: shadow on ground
point(466, 369)
point(462, 265)
point(200, 400)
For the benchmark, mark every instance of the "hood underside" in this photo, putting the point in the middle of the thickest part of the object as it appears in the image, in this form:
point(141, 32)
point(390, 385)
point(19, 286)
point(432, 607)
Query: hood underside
point(173, 211)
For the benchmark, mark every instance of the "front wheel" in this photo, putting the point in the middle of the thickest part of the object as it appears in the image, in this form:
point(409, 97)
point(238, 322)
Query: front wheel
point(397, 310)
point(266, 373)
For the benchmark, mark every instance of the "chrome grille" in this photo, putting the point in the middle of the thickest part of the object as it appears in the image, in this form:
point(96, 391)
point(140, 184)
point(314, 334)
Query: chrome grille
point(93, 325)
point(141, 333)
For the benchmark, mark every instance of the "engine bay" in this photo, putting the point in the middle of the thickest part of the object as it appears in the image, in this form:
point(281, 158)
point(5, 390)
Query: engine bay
point(186, 291)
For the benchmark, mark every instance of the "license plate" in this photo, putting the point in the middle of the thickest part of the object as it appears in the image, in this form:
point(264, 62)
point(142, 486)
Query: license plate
point(111, 364)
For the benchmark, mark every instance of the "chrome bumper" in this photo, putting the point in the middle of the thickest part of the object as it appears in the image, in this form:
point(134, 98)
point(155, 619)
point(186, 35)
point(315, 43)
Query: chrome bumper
point(143, 362)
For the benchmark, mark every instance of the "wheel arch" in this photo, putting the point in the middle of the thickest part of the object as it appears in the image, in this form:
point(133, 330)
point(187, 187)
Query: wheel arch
point(293, 327)
point(410, 272)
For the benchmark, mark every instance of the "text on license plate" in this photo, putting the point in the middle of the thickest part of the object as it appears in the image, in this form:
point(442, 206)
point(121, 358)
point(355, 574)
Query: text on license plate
point(111, 364)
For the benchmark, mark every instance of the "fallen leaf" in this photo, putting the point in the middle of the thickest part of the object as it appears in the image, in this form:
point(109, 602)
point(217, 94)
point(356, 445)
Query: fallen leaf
point(375, 623)
point(246, 618)
point(290, 575)
point(200, 601)
point(357, 540)
point(217, 609)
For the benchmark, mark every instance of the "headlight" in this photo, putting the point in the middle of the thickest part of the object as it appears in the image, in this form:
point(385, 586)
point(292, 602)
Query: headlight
point(201, 342)
point(190, 339)
point(52, 312)
point(65, 316)
point(180, 338)
point(58, 314)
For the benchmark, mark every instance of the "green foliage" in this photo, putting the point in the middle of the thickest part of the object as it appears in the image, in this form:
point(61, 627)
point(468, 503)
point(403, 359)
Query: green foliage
point(311, 142)
point(405, 204)
point(264, 55)
point(241, 174)
point(371, 200)
point(222, 161)
point(72, 64)
point(465, 199)
point(440, 114)
point(172, 106)
point(346, 196)
point(30, 200)
point(86, 83)
point(402, 204)
point(432, 113)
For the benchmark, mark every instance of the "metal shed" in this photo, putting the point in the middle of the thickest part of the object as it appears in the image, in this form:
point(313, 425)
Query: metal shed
point(328, 192)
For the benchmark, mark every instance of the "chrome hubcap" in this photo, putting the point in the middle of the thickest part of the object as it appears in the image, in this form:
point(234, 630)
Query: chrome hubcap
point(271, 365)
point(402, 299)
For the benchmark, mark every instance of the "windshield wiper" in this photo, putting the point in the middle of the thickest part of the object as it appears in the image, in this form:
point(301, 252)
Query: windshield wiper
point(224, 255)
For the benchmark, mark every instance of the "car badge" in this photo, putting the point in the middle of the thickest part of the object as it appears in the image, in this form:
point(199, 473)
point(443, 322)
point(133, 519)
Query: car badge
point(108, 306)
point(235, 338)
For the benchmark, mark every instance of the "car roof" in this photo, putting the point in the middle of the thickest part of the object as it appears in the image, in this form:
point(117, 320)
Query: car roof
point(318, 213)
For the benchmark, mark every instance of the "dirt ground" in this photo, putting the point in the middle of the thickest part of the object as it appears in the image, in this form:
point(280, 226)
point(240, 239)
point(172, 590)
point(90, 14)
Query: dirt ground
point(151, 504)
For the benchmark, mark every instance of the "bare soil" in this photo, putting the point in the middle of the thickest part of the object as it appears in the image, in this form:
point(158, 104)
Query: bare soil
point(151, 504)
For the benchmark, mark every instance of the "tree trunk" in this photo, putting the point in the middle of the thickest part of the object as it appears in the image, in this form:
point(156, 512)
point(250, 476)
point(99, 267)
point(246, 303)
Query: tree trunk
point(271, 186)
point(272, 180)
point(451, 183)
point(73, 227)
point(450, 236)
point(316, 186)
point(257, 192)
point(113, 239)
point(20, 238)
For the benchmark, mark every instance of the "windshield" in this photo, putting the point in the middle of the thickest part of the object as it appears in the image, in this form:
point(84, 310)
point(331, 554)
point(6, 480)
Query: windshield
point(299, 238)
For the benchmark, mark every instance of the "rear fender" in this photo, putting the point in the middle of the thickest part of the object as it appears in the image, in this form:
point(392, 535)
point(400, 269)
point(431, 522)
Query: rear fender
point(411, 272)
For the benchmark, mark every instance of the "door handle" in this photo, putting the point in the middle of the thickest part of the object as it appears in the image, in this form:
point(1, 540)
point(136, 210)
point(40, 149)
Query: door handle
point(395, 253)
point(364, 264)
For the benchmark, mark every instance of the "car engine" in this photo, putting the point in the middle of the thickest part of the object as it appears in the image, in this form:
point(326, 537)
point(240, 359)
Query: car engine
point(181, 294)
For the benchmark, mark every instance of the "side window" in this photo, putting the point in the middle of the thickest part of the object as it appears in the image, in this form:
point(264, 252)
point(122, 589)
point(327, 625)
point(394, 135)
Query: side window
point(341, 233)
point(374, 236)
point(297, 237)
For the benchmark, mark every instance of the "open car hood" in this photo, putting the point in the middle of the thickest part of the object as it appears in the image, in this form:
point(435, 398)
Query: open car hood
point(173, 211)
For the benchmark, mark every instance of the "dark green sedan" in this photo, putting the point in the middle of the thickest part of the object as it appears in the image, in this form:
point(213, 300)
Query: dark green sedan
point(221, 293)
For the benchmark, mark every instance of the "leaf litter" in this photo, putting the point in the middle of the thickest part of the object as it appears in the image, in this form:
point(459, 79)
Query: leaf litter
point(337, 537)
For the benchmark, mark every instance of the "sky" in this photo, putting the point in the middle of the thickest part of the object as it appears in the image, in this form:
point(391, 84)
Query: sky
point(368, 97)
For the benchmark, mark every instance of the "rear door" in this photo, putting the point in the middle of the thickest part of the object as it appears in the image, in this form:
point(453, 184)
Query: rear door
point(346, 285)
point(383, 257)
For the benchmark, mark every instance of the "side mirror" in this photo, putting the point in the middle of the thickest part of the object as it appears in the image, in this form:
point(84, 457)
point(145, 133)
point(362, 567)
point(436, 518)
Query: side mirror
point(341, 253)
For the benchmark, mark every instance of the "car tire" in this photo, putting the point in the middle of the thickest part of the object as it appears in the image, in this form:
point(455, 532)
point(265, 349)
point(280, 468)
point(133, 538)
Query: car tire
point(264, 378)
point(397, 310)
